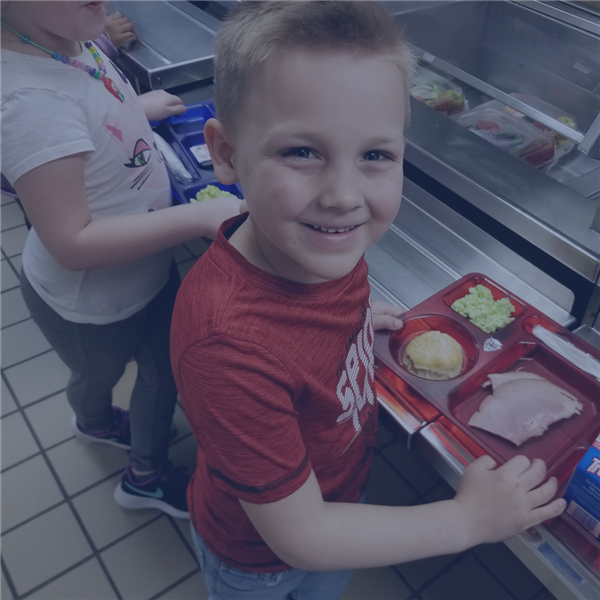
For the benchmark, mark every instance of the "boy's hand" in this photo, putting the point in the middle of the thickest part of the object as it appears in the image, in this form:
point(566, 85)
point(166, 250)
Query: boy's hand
point(119, 29)
point(385, 316)
point(499, 502)
point(159, 105)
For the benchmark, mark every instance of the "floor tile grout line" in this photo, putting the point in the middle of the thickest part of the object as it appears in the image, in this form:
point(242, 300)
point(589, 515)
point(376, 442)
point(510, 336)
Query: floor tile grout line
point(33, 402)
point(12, 267)
point(54, 578)
point(70, 504)
point(183, 538)
point(33, 517)
point(21, 462)
point(405, 581)
point(16, 322)
point(442, 571)
point(511, 595)
point(172, 586)
point(8, 579)
point(29, 404)
point(399, 473)
point(21, 362)
point(132, 532)
point(23, 224)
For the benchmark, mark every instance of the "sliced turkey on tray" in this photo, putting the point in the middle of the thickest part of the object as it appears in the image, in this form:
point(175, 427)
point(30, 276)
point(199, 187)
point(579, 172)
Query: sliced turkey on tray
point(523, 405)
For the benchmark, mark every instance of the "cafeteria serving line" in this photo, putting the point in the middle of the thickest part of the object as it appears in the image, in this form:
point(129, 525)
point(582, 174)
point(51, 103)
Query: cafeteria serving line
point(502, 190)
point(64, 537)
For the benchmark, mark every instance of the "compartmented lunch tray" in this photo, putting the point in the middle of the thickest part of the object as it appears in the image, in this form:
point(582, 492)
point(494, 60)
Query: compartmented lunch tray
point(511, 348)
point(185, 134)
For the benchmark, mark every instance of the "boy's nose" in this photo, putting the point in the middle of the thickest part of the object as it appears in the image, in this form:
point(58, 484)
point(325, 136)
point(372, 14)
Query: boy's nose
point(342, 189)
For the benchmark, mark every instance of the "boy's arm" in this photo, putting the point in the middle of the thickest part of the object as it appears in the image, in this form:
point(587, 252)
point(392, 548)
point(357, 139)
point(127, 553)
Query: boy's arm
point(54, 198)
point(492, 504)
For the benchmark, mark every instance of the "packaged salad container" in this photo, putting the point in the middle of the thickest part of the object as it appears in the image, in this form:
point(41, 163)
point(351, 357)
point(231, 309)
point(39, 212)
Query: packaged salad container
point(511, 134)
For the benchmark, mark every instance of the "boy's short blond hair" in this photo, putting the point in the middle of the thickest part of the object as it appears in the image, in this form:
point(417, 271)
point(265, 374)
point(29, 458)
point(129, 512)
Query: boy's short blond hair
point(256, 30)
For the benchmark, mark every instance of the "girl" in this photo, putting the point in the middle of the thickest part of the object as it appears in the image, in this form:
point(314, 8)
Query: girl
point(98, 275)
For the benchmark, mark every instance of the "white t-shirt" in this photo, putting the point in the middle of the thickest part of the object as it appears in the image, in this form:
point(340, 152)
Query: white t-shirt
point(51, 110)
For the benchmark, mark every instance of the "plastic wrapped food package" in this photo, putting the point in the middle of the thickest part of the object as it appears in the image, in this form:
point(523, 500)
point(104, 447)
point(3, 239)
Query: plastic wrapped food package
point(562, 145)
point(437, 92)
point(511, 134)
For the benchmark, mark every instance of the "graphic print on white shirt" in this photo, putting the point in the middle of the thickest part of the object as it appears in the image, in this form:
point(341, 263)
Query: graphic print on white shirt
point(355, 386)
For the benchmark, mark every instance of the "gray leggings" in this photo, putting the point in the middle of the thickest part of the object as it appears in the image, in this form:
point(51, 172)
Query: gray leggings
point(97, 356)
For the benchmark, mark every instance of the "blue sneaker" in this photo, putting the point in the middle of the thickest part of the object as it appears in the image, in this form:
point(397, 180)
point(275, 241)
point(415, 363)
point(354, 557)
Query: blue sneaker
point(118, 434)
point(165, 490)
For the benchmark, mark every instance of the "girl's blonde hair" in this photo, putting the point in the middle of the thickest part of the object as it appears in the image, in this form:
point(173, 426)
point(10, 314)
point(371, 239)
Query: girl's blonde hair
point(256, 30)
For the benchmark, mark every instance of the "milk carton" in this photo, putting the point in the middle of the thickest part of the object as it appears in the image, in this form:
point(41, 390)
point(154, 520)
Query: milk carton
point(583, 492)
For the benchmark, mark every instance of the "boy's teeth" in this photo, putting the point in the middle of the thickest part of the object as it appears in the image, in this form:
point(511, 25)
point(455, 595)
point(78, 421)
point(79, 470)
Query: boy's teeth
point(328, 230)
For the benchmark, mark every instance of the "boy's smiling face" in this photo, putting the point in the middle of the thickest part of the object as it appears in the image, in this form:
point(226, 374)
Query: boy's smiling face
point(318, 152)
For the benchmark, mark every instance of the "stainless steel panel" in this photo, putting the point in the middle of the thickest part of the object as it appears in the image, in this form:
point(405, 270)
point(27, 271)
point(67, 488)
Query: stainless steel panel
point(589, 334)
point(577, 14)
point(429, 246)
point(548, 214)
point(174, 45)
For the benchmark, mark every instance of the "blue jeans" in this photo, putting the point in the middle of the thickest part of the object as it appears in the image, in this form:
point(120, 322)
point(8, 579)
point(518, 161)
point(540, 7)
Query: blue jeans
point(97, 356)
point(228, 583)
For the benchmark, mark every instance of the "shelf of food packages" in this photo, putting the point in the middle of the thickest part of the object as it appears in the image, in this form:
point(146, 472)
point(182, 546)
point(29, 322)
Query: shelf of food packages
point(505, 114)
point(181, 140)
point(503, 126)
point(504, 47)
point(522, 135)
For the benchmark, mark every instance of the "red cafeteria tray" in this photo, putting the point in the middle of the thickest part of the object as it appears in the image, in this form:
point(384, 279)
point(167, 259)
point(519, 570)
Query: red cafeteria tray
point(508, 349)
point(511, 348)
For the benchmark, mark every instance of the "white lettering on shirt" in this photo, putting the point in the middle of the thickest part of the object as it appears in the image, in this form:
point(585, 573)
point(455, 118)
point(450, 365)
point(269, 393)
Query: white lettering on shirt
point(355, 387)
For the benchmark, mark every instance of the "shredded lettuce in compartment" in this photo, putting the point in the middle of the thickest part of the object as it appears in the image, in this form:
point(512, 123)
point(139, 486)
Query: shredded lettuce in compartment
point(483, 311)
point(210, 191)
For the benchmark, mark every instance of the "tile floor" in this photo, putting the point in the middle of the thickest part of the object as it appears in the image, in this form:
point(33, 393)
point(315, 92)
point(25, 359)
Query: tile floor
point(64, 538)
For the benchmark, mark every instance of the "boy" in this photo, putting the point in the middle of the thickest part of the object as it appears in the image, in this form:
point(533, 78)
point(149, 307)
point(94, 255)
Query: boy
point(273, 328)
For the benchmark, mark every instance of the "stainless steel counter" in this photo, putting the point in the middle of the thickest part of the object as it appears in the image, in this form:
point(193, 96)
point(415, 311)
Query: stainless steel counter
point(545, 212)
point(174, 45)
point(428, 247)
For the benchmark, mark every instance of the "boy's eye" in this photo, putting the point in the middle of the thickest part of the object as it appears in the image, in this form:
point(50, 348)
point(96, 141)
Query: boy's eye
point(374, 156)
point(298, 152)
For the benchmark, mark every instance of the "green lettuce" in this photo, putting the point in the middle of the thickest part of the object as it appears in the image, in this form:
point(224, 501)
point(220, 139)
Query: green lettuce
point(483, 311)
point(210, 191)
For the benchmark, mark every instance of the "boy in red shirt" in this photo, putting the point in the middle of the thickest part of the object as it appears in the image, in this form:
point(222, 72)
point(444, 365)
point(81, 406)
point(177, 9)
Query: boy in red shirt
point(272, 337)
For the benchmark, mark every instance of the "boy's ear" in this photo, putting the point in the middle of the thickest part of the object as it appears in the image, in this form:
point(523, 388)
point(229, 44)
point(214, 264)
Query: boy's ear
point(217, 138)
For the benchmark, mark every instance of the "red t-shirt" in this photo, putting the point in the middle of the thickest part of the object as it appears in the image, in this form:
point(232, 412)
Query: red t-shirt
point(276, 378)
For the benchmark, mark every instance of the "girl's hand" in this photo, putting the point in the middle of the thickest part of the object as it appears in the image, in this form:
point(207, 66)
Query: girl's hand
point(213, 211)
point(119, 29)
point(385, 316)
point(499, 502)
point(159, 105)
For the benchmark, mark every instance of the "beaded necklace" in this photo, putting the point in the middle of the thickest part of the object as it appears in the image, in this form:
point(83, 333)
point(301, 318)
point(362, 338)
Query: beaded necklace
point(99, 73)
